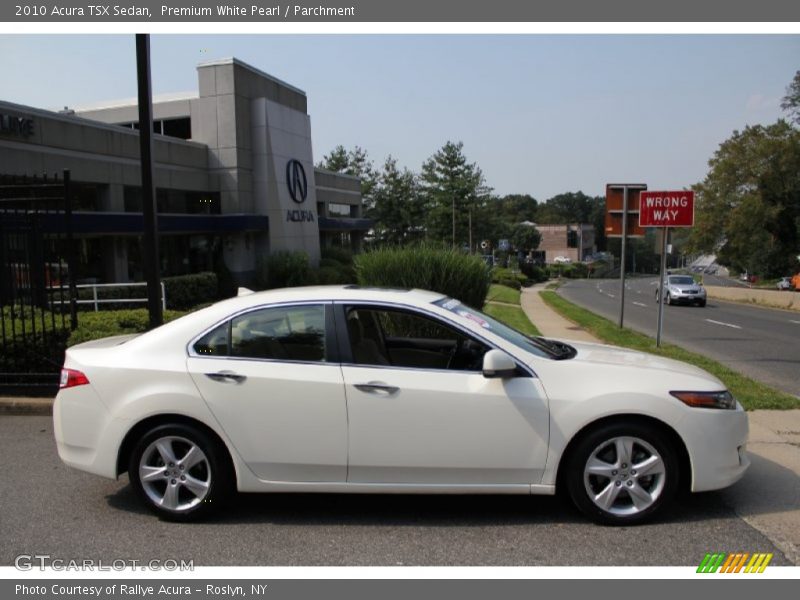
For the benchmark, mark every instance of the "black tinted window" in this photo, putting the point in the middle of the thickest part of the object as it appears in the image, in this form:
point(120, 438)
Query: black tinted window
point(403, 339)
point(283, 333)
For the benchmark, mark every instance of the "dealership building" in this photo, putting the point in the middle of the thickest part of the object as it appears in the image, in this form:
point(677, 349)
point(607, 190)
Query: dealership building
point(234, 176)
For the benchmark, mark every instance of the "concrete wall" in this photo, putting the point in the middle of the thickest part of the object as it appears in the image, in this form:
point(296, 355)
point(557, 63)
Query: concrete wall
point(97, 153)
point(774, 298)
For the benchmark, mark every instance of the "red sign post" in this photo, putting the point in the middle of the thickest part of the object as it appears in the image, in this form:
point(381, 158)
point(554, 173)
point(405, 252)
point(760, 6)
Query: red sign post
point(666, 209)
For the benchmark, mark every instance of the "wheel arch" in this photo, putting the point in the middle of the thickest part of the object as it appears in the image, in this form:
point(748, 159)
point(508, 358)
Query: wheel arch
point(684, 460)
point(135, 432)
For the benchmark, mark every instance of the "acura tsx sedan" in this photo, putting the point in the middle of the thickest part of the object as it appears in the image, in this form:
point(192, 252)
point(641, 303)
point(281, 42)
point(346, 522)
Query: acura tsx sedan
point(357, 390)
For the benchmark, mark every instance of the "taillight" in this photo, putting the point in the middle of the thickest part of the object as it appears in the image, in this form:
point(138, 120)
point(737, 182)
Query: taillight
point(71, 378)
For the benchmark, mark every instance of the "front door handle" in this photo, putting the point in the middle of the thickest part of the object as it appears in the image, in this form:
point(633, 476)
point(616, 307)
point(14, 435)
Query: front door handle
point(377, 387)
point(226, 377)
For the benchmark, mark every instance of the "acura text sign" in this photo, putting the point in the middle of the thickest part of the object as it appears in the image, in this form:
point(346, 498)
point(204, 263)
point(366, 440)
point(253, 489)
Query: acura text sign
point(666, 209)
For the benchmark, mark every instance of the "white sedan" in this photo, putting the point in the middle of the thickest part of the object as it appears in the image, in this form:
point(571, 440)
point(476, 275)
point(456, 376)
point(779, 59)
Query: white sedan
point(347, 389)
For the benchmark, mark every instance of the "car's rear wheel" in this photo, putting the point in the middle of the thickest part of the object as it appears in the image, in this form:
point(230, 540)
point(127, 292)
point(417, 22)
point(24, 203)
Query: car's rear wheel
point(180, 472)
point(622, 473)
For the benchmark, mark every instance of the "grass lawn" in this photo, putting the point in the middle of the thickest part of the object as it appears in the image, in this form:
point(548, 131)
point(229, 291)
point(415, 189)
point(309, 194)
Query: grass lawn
point(749, 392)
point(503, 293)
point(512, 316)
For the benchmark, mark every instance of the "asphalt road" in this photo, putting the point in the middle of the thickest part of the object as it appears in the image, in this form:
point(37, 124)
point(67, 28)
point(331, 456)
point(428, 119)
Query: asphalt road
point(48, 508)
point(762, 343)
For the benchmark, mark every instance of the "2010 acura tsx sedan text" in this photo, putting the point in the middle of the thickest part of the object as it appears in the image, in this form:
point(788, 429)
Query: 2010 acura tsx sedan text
point(348, 389)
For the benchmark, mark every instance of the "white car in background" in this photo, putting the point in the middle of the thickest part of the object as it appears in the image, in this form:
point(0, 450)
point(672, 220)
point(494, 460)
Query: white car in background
point(562, 260)
point(347, 389)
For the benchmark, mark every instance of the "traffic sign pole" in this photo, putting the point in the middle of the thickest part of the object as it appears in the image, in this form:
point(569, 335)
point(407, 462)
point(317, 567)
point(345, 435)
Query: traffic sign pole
point(663, 273)
point(622, 257)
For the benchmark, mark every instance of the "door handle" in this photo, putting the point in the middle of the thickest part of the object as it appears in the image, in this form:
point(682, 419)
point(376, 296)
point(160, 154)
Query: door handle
point(376, 387)
point(226, 377)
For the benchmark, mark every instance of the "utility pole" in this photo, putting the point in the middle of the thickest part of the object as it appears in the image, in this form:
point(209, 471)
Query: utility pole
point(149, 208)
point(454, 221)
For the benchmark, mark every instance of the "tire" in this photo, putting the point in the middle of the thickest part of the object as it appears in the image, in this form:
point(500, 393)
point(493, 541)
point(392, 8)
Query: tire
point(668, 299)
point(187, 492)
point(610, 494)
point(701, 304)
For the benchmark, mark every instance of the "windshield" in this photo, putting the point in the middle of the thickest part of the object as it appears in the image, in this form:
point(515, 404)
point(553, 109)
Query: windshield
point(535, 345)
point(681, 280)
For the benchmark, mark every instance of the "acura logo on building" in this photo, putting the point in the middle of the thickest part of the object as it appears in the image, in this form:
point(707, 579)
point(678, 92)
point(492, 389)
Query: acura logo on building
point(296, 181)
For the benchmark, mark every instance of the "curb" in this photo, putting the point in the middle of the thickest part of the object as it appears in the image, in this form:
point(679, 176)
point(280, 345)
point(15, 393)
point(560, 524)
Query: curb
point(26, 406)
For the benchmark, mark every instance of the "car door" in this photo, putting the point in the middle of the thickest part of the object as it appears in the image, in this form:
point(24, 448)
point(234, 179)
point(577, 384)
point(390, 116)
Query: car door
point(271, 379)
point(420, 410)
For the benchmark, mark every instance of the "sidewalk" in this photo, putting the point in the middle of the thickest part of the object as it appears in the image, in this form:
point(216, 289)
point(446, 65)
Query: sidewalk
point(548, 321)
point(768, 497)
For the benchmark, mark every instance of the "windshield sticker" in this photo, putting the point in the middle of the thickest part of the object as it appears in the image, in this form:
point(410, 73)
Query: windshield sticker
point(474, 319)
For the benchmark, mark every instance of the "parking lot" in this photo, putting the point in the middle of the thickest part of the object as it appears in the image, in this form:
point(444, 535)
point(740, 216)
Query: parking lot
point(47, 508)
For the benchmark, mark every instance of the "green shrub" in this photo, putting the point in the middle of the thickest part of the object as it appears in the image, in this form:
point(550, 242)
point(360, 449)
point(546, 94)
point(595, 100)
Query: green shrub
point(340, 255)
point(512, 283)
point(185, 291)
point(107, 323)
point(428, 267)
point(534, 272)
point(500, 274)
point(330, 276)
point(283, 269)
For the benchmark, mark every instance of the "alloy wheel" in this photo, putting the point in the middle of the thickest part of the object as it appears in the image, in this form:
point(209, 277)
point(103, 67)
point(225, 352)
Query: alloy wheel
point(624, 476)
point(175, 473)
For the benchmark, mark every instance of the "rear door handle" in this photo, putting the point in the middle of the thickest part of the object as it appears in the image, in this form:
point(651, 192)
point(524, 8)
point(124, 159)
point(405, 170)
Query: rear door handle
point(377, 387)
point(226, 377)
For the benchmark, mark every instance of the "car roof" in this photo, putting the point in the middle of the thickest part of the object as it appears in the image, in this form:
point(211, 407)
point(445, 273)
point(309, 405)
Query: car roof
point(331, 293)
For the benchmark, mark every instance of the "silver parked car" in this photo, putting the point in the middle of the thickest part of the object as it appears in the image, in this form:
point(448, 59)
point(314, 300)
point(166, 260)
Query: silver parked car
point(784, 284)
point(683, 289)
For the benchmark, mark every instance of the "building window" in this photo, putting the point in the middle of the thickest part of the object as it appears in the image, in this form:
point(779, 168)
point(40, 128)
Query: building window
point(339, 210)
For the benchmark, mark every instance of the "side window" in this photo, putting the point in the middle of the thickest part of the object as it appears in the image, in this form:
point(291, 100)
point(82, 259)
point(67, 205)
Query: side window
point(405, 339)
point(281, 333)
point(215, 342)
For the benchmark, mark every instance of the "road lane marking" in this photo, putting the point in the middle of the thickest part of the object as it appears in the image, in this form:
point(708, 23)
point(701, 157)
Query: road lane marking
point(640, 304)
point(725, 324)
point(790, 321)
point(611, 295)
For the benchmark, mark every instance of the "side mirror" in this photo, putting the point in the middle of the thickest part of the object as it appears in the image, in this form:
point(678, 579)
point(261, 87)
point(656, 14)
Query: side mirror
point(497, 363)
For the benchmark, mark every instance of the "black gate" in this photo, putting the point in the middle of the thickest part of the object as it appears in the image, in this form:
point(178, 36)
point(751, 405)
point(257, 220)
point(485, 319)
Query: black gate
point(37, 291)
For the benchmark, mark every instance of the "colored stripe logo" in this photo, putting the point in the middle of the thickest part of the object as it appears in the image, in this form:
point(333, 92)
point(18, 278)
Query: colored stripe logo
point(737, 562)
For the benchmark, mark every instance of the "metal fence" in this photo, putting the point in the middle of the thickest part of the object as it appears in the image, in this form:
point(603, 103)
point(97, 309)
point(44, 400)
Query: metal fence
point(38, 305)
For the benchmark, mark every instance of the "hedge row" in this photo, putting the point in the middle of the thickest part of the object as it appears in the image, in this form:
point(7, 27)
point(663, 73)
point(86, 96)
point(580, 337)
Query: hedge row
point(107, 323)
point(447, 271)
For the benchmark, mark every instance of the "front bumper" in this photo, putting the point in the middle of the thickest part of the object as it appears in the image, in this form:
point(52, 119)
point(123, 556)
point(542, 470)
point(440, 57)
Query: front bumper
point(717, 445)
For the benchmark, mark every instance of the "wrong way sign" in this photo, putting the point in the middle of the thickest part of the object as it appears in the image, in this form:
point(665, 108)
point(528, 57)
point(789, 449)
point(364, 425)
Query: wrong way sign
point(666, 209)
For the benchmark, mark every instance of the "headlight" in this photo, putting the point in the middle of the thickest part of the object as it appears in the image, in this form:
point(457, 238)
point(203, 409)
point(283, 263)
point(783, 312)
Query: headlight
point(723, 400)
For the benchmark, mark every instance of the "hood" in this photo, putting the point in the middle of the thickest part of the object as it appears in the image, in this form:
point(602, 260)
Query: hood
point(601, 354)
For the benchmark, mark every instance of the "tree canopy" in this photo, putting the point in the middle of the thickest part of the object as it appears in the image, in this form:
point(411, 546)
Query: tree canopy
point(748, 206)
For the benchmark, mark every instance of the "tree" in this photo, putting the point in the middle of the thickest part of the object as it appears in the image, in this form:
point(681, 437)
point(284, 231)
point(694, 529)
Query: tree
point(397, 205)
point(572, 207)
point(748, 206)
point(353, 162)
point(791, 101)
point(525, 238)
point(452, 189)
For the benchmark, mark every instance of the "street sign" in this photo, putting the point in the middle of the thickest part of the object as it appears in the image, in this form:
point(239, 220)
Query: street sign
point(666, 209)
point(615, 209)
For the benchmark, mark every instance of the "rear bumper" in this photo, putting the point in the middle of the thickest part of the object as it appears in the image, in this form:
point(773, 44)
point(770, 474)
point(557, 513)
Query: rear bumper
point(87, 437)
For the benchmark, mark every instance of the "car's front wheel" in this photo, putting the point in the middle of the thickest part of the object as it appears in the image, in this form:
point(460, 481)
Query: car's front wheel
point(622, 473)
point(180, 472)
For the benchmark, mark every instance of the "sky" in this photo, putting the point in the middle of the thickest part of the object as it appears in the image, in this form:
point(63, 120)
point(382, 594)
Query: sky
point(539, 114)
